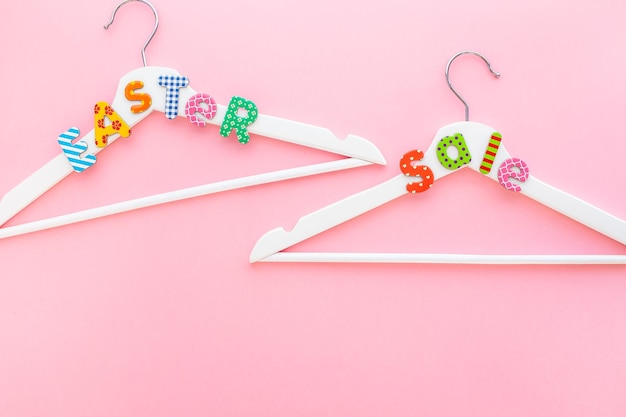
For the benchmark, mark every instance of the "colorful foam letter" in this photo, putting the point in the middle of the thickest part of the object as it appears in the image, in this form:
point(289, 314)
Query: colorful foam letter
point(513, 168)
point(194, 106)
point(410, 170)
point(102, 112)
point(144, 98)
point(490, 153)
point(173, 84)
point(74, 152)
point(457, 141)
point(233, 120)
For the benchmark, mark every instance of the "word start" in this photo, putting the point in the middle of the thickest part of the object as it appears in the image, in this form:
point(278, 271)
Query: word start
point(240, 114)
point(511, 168)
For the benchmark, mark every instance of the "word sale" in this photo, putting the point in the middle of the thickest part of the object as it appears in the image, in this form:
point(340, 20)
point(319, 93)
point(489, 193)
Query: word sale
point(511, 168)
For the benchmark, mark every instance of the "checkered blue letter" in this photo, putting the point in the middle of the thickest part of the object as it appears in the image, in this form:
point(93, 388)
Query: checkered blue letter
point(173, 84)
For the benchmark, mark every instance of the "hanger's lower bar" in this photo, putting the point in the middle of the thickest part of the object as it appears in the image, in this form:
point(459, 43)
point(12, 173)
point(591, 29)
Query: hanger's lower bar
point(183, 194)
point(434, 258)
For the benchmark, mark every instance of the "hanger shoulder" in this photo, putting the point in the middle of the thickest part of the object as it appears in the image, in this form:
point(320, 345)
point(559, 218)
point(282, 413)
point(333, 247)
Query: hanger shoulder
point(575, 208)
point(286, 130)
point(477, 137)
point(33, 186)
point(304, 134)
point(317, 137)
point(328, 217)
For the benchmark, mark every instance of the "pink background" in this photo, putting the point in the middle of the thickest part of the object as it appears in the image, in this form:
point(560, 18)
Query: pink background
point(158, 312)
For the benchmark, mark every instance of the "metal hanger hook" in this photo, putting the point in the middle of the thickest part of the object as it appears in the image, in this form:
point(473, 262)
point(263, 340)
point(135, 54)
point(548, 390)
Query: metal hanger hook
point(456, 93)
point(156, 25)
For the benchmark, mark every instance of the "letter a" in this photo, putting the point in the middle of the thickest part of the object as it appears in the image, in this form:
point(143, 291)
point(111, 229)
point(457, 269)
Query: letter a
point(102, 112)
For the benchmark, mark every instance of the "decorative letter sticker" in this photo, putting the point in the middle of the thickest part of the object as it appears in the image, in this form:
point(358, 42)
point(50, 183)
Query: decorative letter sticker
point(490, 153)
point(146, 100)
point(73, 152)
point(457, 141)
point(410, 170)
point(233, 120)
point(193, 107)
point(102, 112)
point(240, 114)
point(173, 84)
point(513, 168)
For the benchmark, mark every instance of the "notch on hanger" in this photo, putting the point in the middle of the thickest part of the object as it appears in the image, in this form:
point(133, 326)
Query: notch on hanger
point(148, 89)
point(455, 146)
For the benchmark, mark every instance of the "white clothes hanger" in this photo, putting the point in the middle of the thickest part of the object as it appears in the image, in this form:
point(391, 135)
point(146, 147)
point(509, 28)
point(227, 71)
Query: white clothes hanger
point(157, 91)
point(483, 144)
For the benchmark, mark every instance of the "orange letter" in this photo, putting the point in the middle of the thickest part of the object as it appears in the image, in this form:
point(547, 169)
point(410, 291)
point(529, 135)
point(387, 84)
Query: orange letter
point(146, 100)
point(424, 172)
